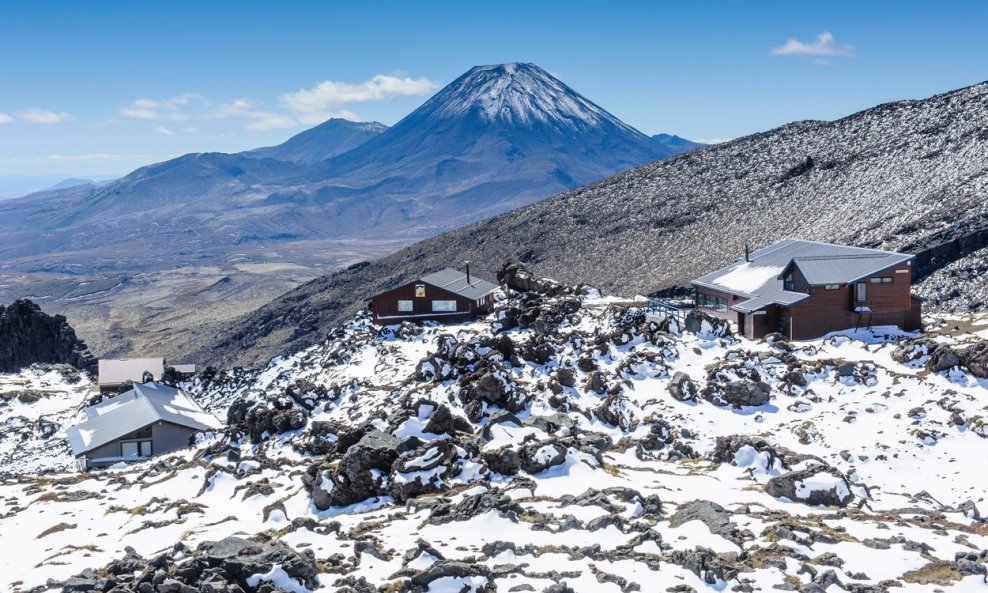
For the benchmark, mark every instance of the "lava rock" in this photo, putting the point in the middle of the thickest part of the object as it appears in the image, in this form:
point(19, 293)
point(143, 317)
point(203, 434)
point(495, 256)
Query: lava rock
point(815, 485)
point(359, 476)
point(29, 336)
point(682, 387)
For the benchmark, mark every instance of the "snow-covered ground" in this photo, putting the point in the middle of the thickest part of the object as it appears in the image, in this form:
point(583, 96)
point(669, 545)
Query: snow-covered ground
point(603, 471)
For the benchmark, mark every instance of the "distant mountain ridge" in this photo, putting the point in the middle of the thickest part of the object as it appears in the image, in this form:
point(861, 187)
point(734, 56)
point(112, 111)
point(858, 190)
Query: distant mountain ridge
point(906, 176)
point(330, 138)
point(677, 144)
point(496, 138)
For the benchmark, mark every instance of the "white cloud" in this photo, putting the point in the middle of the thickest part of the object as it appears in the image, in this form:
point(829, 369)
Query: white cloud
point(305, 107)
point(329, 98)
point(164, 131)
point(34, 115)
point(824, 46)
point(170, 109)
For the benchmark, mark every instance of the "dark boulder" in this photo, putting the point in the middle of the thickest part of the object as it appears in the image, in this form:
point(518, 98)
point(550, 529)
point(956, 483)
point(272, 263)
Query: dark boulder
point(538, 457)
point(975, 359)
point(682, 387)
point(443, 421)
point(516, 276)
point(815, 485)
point(423, 470)
point(505, 461)
point(943, 358)
point(360, 474)
point(711, 514)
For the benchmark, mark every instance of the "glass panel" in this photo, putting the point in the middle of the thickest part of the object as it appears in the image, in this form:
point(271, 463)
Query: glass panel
point(128, 449)
point(405, 306)
point(145, 448)
point(862, 292)
point(443, 306)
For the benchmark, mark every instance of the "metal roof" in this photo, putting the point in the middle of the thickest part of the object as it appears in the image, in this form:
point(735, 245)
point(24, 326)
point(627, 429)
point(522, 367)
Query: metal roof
point(136, 409)
point(117, 371)
point(455, 281)
point(760, 277)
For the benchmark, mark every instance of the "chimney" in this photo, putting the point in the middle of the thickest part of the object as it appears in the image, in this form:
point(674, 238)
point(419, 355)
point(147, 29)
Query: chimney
point(467, 263)
point(747, 254)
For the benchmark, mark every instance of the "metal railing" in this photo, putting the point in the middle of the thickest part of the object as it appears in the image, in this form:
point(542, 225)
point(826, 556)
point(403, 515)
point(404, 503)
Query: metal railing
point(664, 308)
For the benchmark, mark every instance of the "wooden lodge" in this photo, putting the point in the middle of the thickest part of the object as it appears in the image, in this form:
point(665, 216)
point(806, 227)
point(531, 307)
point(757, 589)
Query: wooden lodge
point(447, 296)
point(806, 289)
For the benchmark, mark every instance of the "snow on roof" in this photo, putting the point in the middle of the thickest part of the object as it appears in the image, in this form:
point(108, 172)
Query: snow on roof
point(136, 409)
point(455, 281)
point(117, 371)
point(760, 278)
point(748, 277)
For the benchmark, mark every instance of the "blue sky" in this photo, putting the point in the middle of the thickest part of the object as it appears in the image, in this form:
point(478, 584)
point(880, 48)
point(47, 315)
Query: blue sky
point(100, 88)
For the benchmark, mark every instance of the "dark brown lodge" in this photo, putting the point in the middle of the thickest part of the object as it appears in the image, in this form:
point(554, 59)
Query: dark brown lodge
point(806, 289)
point(447, 296)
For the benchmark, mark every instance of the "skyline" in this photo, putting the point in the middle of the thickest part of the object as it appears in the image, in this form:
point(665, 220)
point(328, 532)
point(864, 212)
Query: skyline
point(96, 91)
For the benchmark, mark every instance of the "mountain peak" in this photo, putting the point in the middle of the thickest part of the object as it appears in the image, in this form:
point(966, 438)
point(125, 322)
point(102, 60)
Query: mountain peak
point(518, 94)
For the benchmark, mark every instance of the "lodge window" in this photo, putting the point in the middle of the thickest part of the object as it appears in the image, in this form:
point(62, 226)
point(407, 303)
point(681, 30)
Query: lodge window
point(831, 286)
point(405, 306)
point(861, 292)
point(135, 449)
point(708, 301)
point(882, 280)
point(789, 283)
point(443, 306)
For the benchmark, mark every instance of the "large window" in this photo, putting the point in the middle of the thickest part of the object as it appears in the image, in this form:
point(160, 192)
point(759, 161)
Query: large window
point(861, 292)
point(135, 449)
point(443, 306)
point(789, 283)
point(405, 306)
point(709, 301)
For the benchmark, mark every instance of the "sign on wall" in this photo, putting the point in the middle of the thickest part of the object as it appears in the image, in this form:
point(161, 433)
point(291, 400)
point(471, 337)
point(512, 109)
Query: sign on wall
point(420, 290)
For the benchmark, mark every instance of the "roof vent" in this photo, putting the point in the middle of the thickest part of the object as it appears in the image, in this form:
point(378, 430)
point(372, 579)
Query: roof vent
point(747, 253)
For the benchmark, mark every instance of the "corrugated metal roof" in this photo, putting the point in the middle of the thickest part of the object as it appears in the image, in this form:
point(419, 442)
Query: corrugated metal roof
point(117, 371)
point(760, 278)
point(135, 409)
point(455, 281)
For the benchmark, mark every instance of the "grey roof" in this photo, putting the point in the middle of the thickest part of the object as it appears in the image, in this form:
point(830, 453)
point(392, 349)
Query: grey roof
point(135, 409)
point(455, 281)
point(760, 278)
point(117, 371)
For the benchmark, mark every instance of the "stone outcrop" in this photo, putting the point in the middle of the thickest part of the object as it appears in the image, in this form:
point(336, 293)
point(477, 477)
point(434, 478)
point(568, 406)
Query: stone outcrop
point(29, 336)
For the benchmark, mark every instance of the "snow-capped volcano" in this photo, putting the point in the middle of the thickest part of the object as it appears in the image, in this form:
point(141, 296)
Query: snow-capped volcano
point(522, 95)
point(493, 139)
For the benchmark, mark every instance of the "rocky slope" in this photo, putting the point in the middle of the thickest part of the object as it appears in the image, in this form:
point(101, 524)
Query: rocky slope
point(609, 451)
point(905, 175)
point(29, 336)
